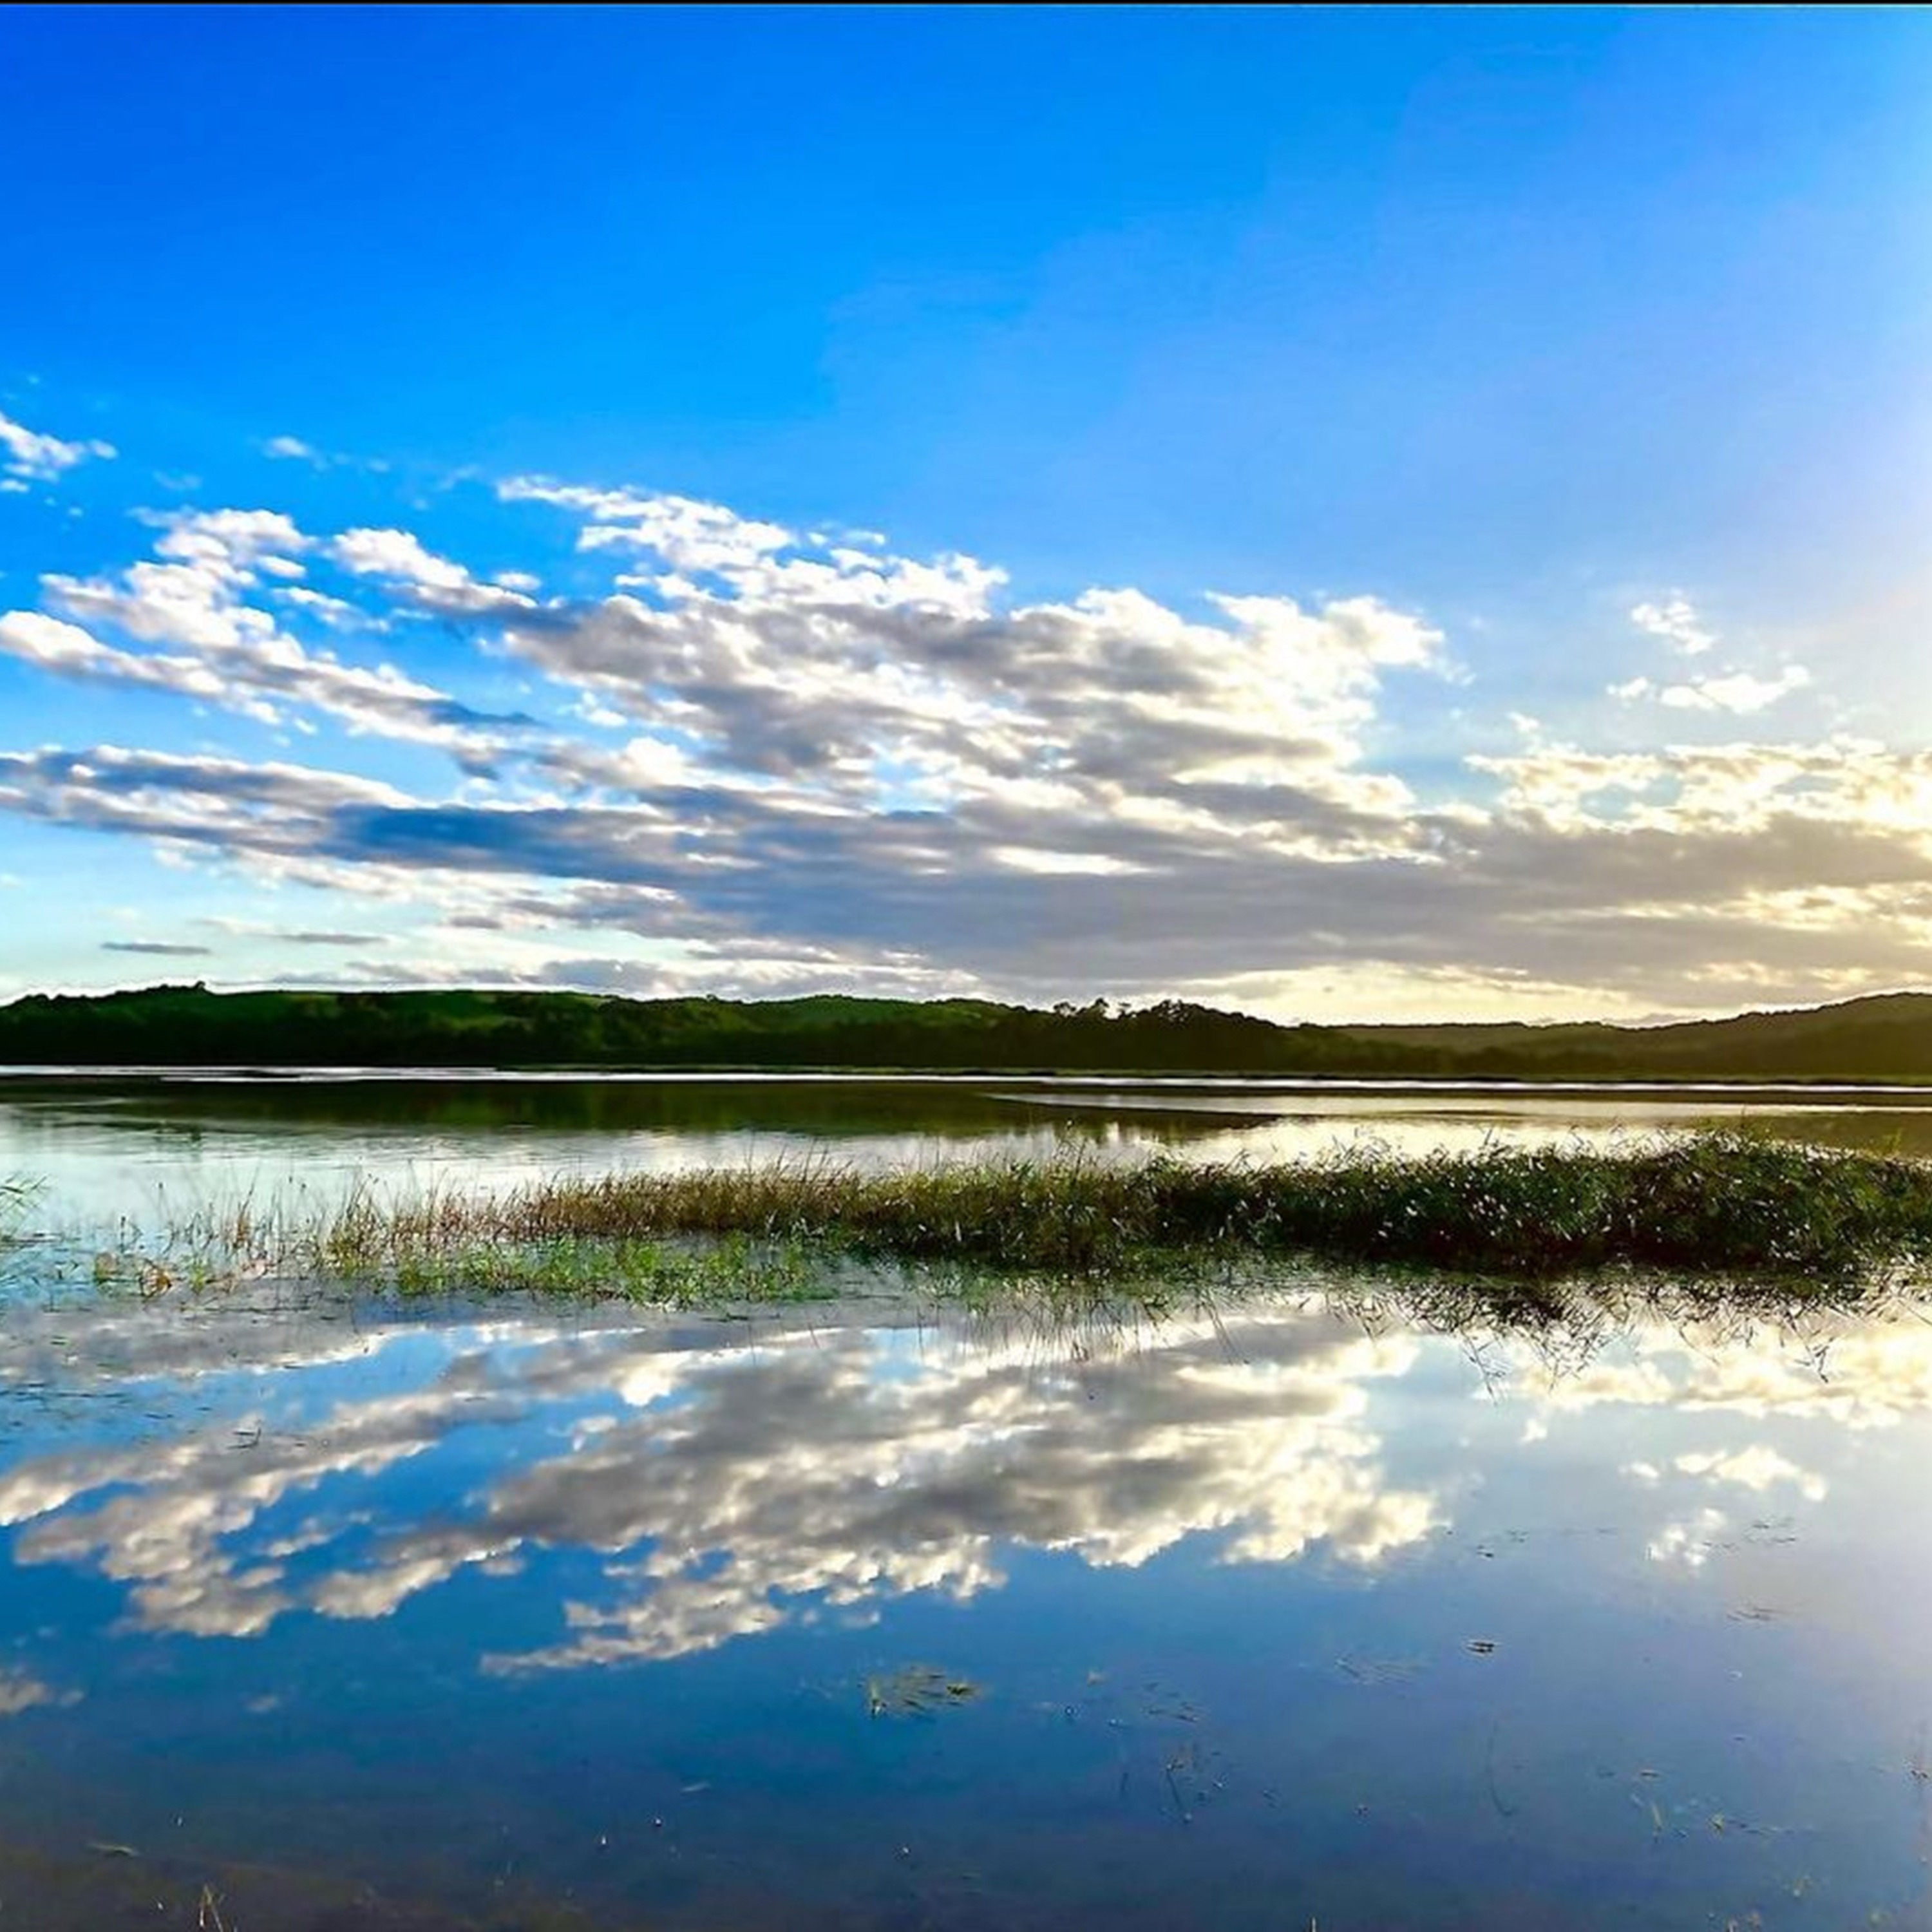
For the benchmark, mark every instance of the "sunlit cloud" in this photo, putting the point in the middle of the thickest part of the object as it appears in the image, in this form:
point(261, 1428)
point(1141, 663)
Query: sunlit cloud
point(1738, 693)
point(757, 759)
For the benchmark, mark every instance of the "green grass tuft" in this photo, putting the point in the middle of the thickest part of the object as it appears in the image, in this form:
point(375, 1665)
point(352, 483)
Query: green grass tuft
point(1704, 1206)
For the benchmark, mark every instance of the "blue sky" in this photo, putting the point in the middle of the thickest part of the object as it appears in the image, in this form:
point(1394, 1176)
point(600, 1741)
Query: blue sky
point(1395, 514)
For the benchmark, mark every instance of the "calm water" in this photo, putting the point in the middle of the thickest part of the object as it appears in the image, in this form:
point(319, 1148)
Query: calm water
point(532, 1616)
point(119, 1147)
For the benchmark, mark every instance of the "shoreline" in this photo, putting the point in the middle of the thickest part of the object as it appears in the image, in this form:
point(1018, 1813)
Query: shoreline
point(28, 1078)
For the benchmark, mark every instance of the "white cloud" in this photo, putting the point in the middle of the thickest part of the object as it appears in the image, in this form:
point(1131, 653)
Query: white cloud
point(776, 757)
point(1733, 692)
point(1847, 1373)
point(690, 536)
point(1757, 1467)
point(890, 681)
point(436, 583)
point(1738, 693)
point(1675, 620)
point(68, 651)
point(230, 652)
point(29, 453)
point(333, 611)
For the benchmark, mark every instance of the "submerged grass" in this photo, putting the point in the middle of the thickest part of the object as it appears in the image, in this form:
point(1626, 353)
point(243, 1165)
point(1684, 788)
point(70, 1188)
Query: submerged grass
point(17, 1194)
point(1702, 1206)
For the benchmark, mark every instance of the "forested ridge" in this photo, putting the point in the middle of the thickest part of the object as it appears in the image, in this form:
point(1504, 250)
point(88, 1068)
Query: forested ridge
point(1887, 1037)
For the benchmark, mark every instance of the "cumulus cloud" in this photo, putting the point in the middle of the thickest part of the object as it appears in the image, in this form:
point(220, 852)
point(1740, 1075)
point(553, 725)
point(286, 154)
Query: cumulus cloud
point(898, 685)
point(221, 648)
point(434, 582)
point(1849, 1374)
point(774, 756)
point(31, 455)
point(1644, 867)
point(1757, 1467)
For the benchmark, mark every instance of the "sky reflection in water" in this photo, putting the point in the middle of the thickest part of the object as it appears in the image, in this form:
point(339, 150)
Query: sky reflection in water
point(1284, 1615)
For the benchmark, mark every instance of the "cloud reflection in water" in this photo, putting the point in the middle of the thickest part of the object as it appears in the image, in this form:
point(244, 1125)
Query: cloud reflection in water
point(730, 1489)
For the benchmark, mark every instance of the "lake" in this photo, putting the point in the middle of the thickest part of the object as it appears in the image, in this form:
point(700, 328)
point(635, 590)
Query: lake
point(117, 1146)
point(322, 1611)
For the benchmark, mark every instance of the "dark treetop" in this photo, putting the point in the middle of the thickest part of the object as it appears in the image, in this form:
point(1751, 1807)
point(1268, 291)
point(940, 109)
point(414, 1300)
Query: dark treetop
point(1886, 1038)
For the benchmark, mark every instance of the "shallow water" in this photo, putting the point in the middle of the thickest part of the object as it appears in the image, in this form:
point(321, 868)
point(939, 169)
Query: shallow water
point(1291, 1612)
point(147, 1149)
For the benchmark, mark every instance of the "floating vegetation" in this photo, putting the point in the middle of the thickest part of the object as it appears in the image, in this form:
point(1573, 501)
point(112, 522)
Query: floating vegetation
point(1372, 1670)
point(918, 1690)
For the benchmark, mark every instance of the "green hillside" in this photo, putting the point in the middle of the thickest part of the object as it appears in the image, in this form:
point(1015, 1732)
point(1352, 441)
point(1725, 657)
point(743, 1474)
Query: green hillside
point(1886, 1038)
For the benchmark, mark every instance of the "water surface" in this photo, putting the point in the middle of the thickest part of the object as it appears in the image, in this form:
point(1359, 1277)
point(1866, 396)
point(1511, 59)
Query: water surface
point(144, 1147)
point(1290, 1611)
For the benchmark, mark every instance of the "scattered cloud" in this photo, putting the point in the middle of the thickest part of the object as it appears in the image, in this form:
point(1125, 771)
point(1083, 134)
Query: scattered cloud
point(243, 928)
point(1757, 1467)
point(1738, 693)
point(22, 1690)
point(1675, 620)
point(433, 581)
point(704, 1492)
point(195, 596)
point(764, 760)
point(1733, 692)
point(30, 455)
point(155, 949)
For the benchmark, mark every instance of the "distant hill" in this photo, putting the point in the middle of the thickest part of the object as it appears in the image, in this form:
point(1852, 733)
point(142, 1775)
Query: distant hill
point(1887, 1038)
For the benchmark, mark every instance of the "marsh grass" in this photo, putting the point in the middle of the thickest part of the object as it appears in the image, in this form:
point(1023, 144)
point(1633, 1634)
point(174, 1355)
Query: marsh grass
point(1712, 1203)
point(17, 1195)
point(416, 1245)
point(1710, 1208)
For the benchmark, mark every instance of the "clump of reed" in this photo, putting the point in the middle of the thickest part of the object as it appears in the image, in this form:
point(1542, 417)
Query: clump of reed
point(17, 1194)
point(1698, 1206)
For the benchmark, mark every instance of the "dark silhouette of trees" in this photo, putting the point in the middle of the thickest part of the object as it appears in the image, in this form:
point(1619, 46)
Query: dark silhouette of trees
point(1885, 1038)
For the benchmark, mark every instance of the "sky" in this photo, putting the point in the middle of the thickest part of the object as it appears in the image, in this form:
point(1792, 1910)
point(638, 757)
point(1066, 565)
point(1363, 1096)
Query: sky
point(1401, 514)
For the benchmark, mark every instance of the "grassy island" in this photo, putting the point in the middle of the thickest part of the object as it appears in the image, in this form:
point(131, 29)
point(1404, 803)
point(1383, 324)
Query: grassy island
point(1701, 1207)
